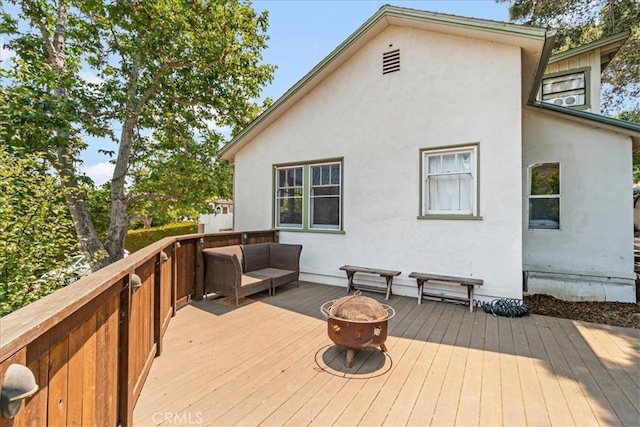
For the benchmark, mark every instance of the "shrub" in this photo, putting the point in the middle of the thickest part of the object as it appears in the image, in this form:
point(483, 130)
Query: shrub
point(138, 239)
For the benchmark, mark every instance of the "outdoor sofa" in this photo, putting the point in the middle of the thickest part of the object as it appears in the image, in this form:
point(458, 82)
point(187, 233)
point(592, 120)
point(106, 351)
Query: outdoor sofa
point(243, 270)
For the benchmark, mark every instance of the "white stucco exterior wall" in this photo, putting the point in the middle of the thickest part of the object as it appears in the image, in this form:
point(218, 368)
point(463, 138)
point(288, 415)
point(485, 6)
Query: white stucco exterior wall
point(214, 223)
point(591, 256)
point(450, 91)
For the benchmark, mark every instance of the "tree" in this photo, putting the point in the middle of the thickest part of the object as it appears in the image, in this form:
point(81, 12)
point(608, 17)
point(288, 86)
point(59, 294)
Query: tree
point(583, 21)
point(35, 228)
point(168, 76)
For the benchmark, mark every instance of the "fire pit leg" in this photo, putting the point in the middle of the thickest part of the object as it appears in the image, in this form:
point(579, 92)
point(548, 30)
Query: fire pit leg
point(383, 348)
point(351, 353)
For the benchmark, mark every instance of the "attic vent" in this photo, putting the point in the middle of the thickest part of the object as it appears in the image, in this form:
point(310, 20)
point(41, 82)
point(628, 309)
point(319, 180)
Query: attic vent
point(391, 61)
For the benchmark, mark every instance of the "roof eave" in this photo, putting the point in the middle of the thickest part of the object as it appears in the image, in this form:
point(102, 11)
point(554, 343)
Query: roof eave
point(620, 126)
point(603, 42)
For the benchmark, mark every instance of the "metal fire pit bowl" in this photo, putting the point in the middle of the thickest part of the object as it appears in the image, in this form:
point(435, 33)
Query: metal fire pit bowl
point(354, 335)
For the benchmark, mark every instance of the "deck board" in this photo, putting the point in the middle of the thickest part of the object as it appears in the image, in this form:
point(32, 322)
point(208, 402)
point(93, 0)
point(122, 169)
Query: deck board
point(259, 364)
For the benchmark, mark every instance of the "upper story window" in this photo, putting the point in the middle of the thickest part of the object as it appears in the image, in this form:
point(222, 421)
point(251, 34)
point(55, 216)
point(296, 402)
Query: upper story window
point(450, 182)
point(544, 196)
point(568, 89)
point(309, 196)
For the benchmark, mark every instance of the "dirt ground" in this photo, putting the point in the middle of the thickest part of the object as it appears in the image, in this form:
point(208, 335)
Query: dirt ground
point(607, 313)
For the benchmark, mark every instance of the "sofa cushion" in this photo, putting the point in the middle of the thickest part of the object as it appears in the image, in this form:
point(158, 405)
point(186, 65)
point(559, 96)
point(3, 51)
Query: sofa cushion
point(256, 256)
point(250, 284)
point(277, 276)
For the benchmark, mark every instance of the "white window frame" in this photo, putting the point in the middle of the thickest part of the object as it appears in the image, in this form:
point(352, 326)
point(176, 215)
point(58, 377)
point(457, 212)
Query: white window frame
point(278, 198)
point(426, 154)
point(312, 197)
point(544, 196)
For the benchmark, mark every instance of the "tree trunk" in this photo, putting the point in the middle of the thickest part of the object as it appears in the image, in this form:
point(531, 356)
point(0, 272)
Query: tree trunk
point(55, 45)
point(86, 232)
point(119, 219)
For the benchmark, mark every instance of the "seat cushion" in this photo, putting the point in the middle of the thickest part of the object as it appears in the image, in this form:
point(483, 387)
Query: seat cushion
point(278, 276)
point(251, 284)
point(256, 256)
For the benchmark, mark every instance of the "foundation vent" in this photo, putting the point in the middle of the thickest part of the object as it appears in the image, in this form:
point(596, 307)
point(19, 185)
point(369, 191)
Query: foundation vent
point(391, 61)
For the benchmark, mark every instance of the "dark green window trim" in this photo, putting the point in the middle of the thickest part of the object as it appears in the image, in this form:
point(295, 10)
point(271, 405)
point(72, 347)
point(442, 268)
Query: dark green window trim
point(306, 190)
point(422, 151)
point(587, 86)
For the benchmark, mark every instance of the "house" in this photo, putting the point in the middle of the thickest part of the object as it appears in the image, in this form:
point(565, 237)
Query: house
point(220, 220)
point(448, 145)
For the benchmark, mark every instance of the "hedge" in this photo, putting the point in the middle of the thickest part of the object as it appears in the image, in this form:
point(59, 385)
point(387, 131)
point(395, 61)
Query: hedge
point(138, 239)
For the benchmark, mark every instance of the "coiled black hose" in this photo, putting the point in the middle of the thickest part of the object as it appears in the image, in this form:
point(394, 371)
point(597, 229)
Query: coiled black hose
point(508, 307)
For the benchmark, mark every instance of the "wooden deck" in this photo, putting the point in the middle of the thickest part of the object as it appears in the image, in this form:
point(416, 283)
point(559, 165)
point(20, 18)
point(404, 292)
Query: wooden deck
point(271, 363)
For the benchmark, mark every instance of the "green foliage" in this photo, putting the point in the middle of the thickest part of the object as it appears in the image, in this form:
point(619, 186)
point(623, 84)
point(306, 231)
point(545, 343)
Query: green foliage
point(636, 167)
point(634, 117)
point(545, 179)
point(169, 80)
point(36, 230)
point(583, 21)
point(138, 239)
point(99, 205)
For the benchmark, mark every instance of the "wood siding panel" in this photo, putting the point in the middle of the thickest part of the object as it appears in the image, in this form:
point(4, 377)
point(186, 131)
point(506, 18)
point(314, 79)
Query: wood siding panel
point(58, 384)
point(22, 419)
point(166, 309)
point(107, 341)
point(141, 328)
point(89, 377)
point(76, 372)
point(187, 273)
point(36, 407)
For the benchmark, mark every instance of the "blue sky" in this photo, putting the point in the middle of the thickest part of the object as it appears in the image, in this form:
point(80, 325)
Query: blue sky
point(302, 33)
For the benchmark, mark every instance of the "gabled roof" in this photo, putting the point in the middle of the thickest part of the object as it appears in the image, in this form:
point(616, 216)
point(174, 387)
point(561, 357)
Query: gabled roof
point(535, 44)
point(608, 46)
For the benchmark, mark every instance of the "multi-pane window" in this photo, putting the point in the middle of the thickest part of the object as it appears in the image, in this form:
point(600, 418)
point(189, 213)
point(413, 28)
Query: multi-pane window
point(309, 196)
point(325, 196)
point(544, 196)
point(567, 89)
point(450, 184)
point(289, 197)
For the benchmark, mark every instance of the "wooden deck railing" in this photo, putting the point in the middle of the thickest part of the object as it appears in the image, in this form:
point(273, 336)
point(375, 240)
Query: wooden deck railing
point(91, 344)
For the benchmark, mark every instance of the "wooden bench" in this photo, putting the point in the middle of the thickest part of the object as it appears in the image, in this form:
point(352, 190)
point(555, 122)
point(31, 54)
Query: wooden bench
point(351, 270)
point(423, 278)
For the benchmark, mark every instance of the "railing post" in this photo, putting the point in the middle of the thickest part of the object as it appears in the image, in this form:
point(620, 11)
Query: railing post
point(174, 279)
point(157, 304)
point(199, 269)
point(125, 388)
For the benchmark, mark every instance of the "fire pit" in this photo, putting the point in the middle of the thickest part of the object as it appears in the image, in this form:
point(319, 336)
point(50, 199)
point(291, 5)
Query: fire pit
point(355, 322)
